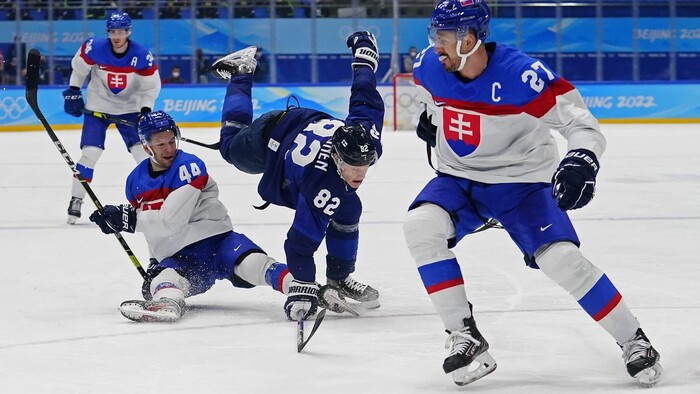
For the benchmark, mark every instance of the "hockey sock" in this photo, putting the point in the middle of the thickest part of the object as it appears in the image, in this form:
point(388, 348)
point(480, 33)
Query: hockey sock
point(564, 263)
point(277, 276)
point(445, 285)
point(86, 167)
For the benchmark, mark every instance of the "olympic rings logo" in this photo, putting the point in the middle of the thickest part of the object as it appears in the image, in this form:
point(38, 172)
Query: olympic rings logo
point(12, 108)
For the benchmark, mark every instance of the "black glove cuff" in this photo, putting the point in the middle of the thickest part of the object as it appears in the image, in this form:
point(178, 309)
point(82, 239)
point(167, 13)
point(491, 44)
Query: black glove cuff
point(584, 157)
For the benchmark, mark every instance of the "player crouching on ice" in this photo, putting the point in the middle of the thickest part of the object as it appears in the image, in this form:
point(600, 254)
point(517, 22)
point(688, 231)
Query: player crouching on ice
point(312, 163)
point(174, 203)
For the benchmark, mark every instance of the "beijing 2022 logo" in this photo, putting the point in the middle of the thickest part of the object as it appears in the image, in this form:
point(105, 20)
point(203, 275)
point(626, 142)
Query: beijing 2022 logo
point(12, 107)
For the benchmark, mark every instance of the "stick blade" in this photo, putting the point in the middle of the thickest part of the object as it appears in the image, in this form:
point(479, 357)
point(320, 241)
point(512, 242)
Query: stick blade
point(33, 62)
point(319, 318)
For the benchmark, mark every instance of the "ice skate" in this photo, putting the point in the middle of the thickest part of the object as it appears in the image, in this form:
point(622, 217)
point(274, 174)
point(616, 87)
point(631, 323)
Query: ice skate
point(329, 298)
point(74, 209)
point(642, 359)
point(160, 310)
point(364, 296)
point(236, 63)
point(469, 359)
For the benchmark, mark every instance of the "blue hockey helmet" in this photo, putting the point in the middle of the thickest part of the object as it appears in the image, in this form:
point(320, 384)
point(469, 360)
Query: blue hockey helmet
point(156, 122)
point(354, 146)
point(118, 20)
point(461, 16)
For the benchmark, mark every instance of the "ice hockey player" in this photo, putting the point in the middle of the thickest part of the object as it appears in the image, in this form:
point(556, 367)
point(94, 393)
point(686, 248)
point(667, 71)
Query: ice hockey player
point(174, 202)
point(489, 112)
point(312, 163)
point(124, 83)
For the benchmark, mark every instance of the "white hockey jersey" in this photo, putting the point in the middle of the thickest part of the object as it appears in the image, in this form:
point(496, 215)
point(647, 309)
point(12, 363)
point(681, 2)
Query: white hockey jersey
point(178, 207)
point(118, 84)
point(497, 128)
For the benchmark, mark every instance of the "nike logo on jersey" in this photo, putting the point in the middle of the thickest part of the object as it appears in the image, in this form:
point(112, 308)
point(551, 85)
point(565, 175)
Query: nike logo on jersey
point(237, 247)
point(138, 200)
point(103, 67)
point(546, 227)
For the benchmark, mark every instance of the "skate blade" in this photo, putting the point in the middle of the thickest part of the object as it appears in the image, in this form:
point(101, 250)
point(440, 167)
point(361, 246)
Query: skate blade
point(331, 300)
point(650, 376)
point(482, 365)
point(137, 312)
point(71, 219)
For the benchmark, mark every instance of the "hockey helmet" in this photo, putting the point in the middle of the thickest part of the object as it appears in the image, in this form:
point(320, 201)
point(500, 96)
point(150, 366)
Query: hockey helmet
point(156, 122)
point(118, 20)
point(354, 146)
point(461, 16)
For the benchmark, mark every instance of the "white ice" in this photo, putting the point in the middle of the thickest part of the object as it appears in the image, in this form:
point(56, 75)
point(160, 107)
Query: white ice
point(60, 285)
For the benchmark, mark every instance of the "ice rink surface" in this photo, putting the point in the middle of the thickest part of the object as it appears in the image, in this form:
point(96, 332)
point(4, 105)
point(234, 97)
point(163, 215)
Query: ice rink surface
point(60, 331)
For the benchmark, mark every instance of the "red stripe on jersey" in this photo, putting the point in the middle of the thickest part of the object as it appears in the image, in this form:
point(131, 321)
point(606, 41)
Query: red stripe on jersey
point(85, 58)
point(444, 285)
point(539, 106)
point(607, 308)
point(148, 71)
point(115, 69)
point(151, 200)
point(200, 181)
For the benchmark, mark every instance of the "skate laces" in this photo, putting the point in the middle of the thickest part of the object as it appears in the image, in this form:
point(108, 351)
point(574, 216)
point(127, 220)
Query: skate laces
point(635, 349)
point(458, 341)
point(354, 285)
point(224, 73)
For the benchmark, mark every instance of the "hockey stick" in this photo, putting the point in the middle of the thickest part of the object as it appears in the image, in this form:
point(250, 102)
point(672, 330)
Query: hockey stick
point(33, 60)
point(114, 119)
point(300, 329)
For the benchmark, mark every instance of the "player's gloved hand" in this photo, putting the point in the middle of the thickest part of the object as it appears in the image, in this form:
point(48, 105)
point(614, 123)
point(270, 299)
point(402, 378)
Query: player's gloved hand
point(301, 298)
point(574, 181)
point(115, 218)
point(73, 101)
point(426, 130)
point(364, 50)
point(144, 112)
point(152, 271)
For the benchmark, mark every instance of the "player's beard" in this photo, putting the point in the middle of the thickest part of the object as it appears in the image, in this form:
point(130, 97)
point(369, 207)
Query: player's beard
point(449, 64)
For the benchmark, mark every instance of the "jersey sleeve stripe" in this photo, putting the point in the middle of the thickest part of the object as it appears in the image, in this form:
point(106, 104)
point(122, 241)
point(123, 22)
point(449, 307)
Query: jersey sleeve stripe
point(85, 57)
point(200, 181)
point(148, 71)
point(537, 107)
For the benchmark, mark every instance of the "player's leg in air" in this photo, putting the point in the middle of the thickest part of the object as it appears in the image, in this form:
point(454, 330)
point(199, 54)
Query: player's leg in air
point(242, 141)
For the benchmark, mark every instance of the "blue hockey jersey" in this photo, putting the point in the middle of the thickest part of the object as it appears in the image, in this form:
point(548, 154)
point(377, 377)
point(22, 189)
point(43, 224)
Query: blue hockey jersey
point(301, 174)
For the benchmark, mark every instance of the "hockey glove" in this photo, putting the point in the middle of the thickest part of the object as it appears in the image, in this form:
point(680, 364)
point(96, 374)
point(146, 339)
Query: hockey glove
point(426, 130)
point(364, 50)
point(115, 219)
point(574, 182)
point(301, 298)
point(73, 101)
